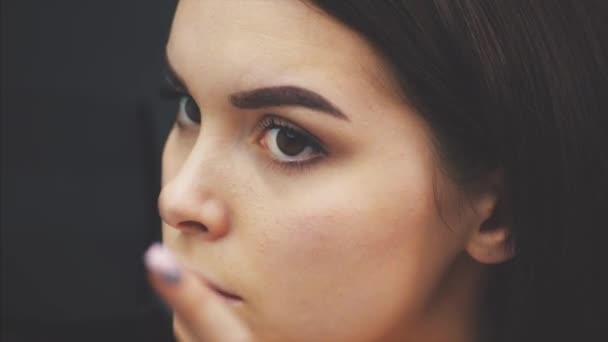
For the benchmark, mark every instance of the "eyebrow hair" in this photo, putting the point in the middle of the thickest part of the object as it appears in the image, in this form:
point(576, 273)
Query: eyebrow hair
point(172, 76)
point(285, 96)
point(267, 96)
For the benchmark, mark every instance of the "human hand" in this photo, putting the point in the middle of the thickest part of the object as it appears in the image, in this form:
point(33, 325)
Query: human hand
point(203, 314)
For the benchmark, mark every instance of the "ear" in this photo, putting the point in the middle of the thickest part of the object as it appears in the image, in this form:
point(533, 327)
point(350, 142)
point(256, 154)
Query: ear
point(489, 242)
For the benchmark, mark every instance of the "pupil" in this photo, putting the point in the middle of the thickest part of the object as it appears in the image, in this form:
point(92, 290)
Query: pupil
point(192, 110)
point(290, 142)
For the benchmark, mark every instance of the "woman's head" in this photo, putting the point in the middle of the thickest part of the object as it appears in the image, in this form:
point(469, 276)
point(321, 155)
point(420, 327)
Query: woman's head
point(350, 170)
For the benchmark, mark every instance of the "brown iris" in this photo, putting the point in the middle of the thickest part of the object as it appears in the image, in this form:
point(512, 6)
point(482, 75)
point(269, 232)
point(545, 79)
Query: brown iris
point(290, 142)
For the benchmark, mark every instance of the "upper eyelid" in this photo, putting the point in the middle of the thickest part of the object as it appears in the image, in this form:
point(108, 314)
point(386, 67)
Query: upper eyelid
point(275, 120)
point(173, 78)
point(175, 82)
point(282, 122)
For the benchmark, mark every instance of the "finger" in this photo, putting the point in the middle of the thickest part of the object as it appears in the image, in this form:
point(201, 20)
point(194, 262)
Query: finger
point(180, 333)
point(204, 314)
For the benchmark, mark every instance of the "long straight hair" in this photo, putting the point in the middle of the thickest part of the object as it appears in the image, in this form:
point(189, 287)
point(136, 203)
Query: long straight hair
point(520, 86)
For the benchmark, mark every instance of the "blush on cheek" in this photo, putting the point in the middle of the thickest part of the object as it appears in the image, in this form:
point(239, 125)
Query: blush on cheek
point(307, 238)
point(316, 239)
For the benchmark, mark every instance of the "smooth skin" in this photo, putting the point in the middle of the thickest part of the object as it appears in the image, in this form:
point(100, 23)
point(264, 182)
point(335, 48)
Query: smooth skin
point(367, 240)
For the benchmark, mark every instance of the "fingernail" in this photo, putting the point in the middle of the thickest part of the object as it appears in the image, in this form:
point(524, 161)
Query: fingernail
point(159, 260)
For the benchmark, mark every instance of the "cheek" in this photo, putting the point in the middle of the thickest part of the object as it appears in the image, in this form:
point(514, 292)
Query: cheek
point(336, 242)
point(357, 219)
point(371, 247)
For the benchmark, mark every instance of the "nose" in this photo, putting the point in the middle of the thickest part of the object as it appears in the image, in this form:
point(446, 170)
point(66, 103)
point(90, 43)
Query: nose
point(191, 202)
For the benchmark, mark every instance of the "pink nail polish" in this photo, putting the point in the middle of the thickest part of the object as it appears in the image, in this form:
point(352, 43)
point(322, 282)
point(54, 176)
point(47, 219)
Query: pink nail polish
point(159, 260)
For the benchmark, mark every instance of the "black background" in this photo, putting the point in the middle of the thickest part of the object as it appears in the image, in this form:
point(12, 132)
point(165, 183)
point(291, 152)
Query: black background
point(82, 131)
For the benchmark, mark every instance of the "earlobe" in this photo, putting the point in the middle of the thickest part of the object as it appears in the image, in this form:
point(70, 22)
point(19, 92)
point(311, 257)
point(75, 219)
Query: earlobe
point(490, 242)
point(490, 246)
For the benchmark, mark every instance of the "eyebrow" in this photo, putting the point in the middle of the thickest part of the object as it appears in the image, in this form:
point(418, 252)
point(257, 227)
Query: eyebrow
point(172, 76)
point(286, 95)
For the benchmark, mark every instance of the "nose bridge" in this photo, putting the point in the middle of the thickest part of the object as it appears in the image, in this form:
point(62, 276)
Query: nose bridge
point(203, 164)
point(197, 186)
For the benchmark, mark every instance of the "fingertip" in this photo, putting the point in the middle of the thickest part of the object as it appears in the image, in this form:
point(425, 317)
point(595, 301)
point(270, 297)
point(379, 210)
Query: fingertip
point(161, 262)
point(203, 312)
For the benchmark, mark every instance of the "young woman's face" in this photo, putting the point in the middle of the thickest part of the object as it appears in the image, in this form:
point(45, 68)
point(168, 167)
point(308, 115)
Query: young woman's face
point(309, 187)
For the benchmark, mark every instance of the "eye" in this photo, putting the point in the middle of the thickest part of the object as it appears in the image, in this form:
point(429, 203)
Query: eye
point(173, 89)
point(188, 110)
point(289, 144)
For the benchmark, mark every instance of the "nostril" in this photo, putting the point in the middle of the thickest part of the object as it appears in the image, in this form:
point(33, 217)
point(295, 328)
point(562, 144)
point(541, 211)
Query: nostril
point(192, 227)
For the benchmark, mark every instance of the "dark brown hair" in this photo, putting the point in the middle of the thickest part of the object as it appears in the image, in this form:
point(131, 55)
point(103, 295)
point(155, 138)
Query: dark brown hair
point(519, 86)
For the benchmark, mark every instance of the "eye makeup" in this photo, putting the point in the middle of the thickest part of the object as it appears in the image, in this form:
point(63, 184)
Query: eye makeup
point(174, 89)
point(288, 144)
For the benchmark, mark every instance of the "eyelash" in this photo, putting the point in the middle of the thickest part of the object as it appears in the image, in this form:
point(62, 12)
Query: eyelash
point(272, 121)
point(173, 90)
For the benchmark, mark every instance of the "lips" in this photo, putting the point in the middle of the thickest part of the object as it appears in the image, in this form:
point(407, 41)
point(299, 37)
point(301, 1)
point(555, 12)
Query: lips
point(226, 294)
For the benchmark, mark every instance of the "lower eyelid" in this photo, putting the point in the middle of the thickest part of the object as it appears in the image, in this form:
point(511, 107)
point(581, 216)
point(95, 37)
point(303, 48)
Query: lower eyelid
point(294, 166)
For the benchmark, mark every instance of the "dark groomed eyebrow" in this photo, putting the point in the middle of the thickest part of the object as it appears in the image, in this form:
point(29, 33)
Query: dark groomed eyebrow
point(285, 96)
point(172, 77)
point(275, 96)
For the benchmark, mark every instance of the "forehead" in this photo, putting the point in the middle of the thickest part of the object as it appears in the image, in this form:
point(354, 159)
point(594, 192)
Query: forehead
point(254, 42)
